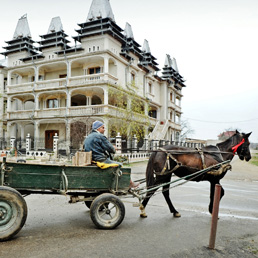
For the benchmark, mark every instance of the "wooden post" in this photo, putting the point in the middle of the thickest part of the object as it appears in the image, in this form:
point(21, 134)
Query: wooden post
point(215, 212)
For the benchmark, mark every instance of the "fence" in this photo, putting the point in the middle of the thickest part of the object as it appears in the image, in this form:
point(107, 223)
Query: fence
point(132, 149)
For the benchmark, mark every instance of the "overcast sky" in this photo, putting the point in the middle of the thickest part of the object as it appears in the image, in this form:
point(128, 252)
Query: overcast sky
point(215, 43)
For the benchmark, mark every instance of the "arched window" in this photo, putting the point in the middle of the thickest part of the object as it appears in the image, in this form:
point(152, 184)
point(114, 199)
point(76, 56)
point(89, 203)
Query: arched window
point(96, 100)
point(52, 103)
point(132, 78)
point(78, 100)
point(171, 96)
point(150, 87)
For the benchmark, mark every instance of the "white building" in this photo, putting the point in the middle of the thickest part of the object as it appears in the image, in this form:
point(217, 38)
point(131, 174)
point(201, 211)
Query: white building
point(51, 87)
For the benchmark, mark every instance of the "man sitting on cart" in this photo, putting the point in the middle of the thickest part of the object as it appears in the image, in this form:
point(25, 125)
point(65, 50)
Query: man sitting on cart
point(101, 148)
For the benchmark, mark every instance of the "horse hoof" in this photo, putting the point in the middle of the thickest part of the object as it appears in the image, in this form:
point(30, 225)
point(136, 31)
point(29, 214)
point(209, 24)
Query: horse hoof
point(143, 215)
point(177, 215)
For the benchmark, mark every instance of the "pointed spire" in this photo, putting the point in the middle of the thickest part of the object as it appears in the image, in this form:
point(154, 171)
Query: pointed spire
point(55, 25)
point(174, 65)
point(146, 47)
point(22, 28)
point(168, 61)
point(128, 32)
point(100, 9)
point(171, 63)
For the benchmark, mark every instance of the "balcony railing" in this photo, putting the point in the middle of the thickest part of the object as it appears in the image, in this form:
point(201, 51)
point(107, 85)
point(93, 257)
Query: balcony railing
point(51, 112)
point(54, 83)
point(21, 114)
point(20, 87)
point(87, 110)
point(57, 83)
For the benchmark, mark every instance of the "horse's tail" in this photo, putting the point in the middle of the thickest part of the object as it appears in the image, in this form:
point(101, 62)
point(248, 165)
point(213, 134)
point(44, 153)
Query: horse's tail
point(150, 171)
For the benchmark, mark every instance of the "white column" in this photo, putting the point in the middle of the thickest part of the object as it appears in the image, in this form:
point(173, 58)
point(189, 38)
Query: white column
point(22, 132)
point(36, 135)
point(105, 65)
point(9, 78)
point(36, 101)
point(68, 99)
point(68, 137)
point(105, 97)
point(9, 104)
point(8, 130)
point(134, 143)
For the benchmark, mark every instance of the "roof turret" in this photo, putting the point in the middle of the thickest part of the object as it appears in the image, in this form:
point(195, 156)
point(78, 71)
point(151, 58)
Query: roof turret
point(128, 32)
point(100, 9)
point(55, 36)
point(129, 45)
point(148, 59)
point(55, 25)
point(170, 71)
point(21, 39)
point(146, 47)
point(22, 28)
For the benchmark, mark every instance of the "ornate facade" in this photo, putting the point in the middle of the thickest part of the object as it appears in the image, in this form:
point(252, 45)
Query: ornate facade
point(50, 87)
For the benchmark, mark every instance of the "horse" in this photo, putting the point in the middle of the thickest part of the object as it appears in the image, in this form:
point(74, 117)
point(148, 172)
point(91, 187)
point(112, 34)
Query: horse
point(183, 161)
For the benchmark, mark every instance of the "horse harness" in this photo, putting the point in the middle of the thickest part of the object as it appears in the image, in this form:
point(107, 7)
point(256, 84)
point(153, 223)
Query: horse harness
point(167, 164)
point(166, 168)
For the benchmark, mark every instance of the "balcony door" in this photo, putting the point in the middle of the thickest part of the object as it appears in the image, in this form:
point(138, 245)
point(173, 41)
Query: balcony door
point(49, 134)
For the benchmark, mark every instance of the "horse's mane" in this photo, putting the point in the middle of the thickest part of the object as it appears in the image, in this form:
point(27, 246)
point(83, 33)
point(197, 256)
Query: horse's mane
point(229, 142)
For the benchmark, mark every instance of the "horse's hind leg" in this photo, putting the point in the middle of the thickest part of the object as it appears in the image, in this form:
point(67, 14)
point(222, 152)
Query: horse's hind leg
point(212, 192)
point(170, 205)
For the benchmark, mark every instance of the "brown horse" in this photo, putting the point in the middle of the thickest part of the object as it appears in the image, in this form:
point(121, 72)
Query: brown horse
point(183, 161)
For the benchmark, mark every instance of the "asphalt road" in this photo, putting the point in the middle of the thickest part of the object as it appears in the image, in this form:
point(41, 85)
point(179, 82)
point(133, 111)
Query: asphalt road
point(55, 228)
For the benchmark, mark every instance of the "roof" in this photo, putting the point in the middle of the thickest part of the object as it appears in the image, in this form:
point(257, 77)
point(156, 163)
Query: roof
point(128, 32)
point(22, 28)
point(100, 9)
point(55, 25)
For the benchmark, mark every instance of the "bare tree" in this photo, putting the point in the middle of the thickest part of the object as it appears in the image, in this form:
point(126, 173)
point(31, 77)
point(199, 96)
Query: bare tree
point(186, 129)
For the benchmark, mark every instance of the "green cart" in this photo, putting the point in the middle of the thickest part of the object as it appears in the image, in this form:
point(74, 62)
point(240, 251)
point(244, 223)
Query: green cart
point(98, 188)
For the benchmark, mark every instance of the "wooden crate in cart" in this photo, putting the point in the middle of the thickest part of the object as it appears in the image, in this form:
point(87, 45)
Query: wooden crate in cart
point(98, 188)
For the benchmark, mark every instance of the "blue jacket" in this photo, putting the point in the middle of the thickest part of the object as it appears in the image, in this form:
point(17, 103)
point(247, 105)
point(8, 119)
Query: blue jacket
point(99, 145)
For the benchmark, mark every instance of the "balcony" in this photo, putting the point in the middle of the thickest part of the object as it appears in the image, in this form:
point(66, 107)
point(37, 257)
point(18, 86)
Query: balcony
point(51, 84)
point(92, 79)
point(23, 87)
point(21, 114)
point(61, 83)
point(174, 107)
point(51, 113)
point(86, 111)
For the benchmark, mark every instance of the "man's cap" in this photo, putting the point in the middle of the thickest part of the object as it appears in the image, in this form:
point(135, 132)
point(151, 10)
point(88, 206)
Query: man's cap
point(96, 125)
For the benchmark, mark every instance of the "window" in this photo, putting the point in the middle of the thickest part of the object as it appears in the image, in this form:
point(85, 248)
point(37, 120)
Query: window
point(133, 79)
point(171, 96)
point(94, 70)
point(52, 103)
point(150, 87)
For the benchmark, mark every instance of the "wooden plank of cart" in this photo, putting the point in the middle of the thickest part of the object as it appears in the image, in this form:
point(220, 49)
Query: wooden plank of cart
point(98, 188)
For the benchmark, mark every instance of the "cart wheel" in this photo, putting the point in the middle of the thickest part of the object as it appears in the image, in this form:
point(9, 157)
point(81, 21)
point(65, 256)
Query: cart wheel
point(13, 212)
point(107, 211)
point(88, 203)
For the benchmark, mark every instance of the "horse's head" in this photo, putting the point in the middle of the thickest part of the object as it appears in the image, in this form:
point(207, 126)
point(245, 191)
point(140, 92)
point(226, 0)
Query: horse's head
point(242, 147)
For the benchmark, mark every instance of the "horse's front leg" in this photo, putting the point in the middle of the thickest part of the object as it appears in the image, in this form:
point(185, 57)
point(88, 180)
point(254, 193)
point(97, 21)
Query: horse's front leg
point(170, 205)
point(212, 191)
point(145, 202)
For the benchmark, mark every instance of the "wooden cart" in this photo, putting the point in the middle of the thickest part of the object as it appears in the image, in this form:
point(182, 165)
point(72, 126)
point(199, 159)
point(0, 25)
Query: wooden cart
point(98, 188)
